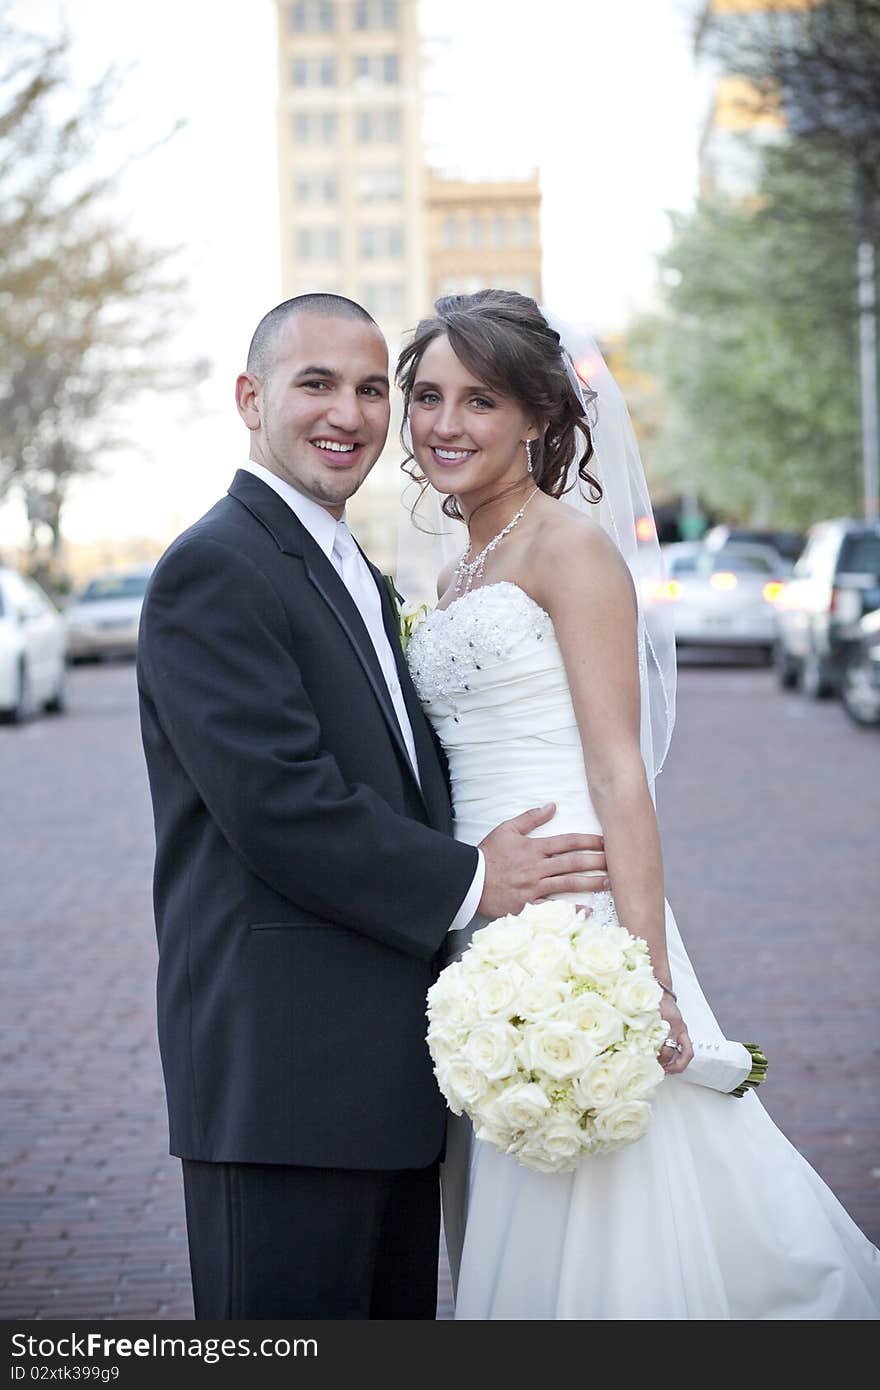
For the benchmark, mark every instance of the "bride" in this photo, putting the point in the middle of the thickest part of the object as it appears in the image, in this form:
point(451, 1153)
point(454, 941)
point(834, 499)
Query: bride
point(543, 681)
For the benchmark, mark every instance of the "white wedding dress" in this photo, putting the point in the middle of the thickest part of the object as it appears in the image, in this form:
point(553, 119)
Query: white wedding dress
point(712, 1214)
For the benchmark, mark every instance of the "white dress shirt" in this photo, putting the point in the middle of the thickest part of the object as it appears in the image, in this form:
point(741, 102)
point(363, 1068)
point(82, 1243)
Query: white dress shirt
point(338, 544)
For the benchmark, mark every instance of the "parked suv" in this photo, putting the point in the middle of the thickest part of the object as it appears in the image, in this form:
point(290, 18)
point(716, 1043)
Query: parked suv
point(860, 687)
point(836, 581)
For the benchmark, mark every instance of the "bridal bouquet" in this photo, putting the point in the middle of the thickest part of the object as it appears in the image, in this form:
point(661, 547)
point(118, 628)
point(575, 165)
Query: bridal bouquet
point(546, 1034)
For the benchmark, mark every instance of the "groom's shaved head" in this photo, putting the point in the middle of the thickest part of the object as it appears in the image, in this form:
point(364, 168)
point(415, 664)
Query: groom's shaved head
point(261, 353)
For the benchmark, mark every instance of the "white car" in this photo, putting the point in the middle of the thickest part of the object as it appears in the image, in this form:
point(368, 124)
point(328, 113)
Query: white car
point(32, 647)
point(103, 620)
point(725, 597)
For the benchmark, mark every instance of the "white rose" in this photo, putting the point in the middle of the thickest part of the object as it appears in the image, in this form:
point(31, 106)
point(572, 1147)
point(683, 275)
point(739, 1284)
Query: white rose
point(444, 1039)
point(646, 1034)
point(488, 1119)
point(503, 940)
point(548, 956)
point(498, 993)
point(555, 1147)
point(598, 1020)
point(644, 1023)
point(452, 998)
point(637, 993)
point(639, 1076)
point(598, 955)
point(521, 1107)
point(461, 1083)
point(541, 999)
point(490, 1134)
point(556, 1048)
point(622, 1123)
point(491, 1049)
point(554, 916)
point(446, 985)
point(597, 1085)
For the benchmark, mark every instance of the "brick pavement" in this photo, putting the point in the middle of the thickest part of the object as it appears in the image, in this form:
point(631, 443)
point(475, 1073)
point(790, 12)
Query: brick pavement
point(769, 809)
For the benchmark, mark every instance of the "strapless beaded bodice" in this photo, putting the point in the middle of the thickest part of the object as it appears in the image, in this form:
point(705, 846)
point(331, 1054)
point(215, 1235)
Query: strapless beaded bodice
point(492, 681)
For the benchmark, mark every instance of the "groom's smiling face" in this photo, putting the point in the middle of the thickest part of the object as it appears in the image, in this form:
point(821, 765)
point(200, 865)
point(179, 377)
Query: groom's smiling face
point(320, 417)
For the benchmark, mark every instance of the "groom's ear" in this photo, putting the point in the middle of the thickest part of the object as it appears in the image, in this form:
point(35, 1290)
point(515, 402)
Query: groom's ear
point(247, 399)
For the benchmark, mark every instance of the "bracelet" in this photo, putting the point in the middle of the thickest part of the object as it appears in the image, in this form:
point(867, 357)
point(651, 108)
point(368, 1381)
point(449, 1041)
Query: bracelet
point(666, 990)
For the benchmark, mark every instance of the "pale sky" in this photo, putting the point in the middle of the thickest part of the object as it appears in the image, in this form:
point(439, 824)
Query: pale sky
point(602, 97)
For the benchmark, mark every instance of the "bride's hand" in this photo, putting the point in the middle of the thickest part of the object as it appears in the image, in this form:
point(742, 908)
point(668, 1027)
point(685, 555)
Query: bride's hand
point(672, 1060)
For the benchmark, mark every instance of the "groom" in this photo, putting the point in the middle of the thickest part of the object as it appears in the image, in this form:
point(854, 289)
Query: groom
point(306, 877)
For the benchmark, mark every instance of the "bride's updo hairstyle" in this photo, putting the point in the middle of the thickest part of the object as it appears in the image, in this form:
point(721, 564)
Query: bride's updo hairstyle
point(504, 339)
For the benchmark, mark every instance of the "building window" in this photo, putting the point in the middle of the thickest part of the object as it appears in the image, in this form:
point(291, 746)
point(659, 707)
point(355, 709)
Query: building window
point(379, 185)
point(317, 243)
point(376, 14)
point(381, 243)
point(379, 127)
point(312, 17)
point(313, 72)
point(450, 232)
point(525, 231)
point(315, 127)
point(499, 231)
point(316, 187)
point(384, 300)
point(475, 237)
point(382, 68)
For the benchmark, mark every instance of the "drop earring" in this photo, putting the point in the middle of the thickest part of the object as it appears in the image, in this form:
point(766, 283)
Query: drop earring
point(529, 464)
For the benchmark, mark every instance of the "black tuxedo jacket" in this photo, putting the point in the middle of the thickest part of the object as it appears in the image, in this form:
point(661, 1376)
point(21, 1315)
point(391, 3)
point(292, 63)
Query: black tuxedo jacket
point(304, 884)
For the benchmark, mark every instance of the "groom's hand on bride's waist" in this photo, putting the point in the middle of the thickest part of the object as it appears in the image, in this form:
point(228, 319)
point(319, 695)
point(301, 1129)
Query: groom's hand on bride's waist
point(523, 869)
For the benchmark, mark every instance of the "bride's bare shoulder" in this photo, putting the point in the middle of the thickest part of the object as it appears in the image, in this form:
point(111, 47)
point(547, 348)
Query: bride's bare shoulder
point(572, 555)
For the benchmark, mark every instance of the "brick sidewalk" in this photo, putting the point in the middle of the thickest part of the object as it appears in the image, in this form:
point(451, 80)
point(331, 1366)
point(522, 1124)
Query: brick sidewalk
point(768, 865)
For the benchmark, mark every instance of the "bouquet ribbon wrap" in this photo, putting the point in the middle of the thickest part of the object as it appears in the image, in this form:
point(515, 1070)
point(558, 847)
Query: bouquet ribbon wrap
point(730, 1067)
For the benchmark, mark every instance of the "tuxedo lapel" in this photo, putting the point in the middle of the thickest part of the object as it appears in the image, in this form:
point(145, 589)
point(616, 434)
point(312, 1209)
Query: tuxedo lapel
point(334, 593)
point(434, 791)
point(294, 539)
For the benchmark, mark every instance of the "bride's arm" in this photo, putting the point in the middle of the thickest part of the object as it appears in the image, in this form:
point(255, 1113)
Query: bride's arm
point(591, 599)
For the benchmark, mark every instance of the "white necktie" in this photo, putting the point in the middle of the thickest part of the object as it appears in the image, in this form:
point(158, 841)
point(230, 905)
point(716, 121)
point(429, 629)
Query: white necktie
point(352, 569)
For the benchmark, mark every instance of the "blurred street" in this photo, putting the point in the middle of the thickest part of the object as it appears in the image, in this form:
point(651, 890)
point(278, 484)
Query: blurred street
point(769, 806)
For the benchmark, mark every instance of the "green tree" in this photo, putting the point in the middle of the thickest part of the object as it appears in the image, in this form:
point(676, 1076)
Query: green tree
point(756, 353)
point(85, 308)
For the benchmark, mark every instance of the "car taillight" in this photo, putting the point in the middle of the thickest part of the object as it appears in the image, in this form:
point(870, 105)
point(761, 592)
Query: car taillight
point(666, 592)
point(773, 591)
point(723, 579)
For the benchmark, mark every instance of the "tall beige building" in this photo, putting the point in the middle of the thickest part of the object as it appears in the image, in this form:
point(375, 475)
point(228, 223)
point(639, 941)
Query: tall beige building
point(483, 233)
point(359, 214)
point(730, 165)
point(350, 174)
point(350, 154)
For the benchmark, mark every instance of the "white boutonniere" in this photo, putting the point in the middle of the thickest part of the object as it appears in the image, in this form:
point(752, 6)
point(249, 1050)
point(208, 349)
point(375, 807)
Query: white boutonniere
point(409, 615)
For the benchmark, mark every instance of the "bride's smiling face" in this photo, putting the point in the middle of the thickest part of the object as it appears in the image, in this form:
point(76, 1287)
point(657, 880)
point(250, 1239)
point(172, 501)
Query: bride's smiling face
point(466, 435)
